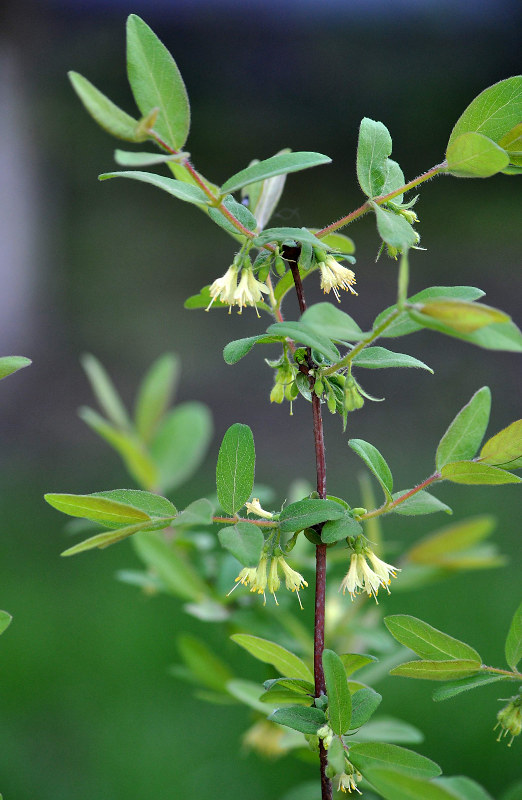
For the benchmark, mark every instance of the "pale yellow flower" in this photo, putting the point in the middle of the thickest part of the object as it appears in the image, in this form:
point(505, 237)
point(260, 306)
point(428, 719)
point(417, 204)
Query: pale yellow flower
point(249, 291)
point(352, 581)
point(224, 288)
point(348, 782)
point(246, 576)
point(361, 577)
point(273, 579)
point(260, 580)
point(334, 277)
point(293, 580)
point(255, 508)
point(382, 569)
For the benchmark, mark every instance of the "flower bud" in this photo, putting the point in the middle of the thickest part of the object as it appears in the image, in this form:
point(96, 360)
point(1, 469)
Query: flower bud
point(510, 719)
point(353, 399)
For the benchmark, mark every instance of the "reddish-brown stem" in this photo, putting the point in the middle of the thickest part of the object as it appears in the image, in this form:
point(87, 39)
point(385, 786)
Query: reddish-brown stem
point(291, 254)
point(389, 506)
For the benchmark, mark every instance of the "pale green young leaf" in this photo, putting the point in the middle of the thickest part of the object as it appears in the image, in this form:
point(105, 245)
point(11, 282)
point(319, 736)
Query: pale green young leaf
point(10, 364)
point(102, 540)
point(269, 167)
point(278, 697)
point(5, 620)
point(394, 180)
point(282, 235)
point(368, 755)
point(456, 316)
point(474, 473)
point(404, 324)
point(156, 82)
point(365, 703)
point(236, 350)
point(498, 336)
point(168, 562)
point(285, 662)
point(388, 729)
point(394, 229)
point(426, 641)
point(438, 670)
point(306, 513)
point(180, 443)
point(155, 394)
point(111, 118)
point(375, 463)
point(137, 461)
point(504, 448)
point(354, 661)
point(296, 685)
point(421, 502)
point(464, 435)
point(206, 667)
point(494, 112)
point(151, 504)
point(299, 718)
point(373, 148)
point(395, 785)
point(199, 512)
point(464, 788)
point(125, 158)
point(98, 509)
point(435, 548)
point(178, 189)
point(513, 648)
point(335, 530)
point(240, 212)
point(245, 541)
point(235, 468)
point(512, 143)
point(473, 155)
point(381, 358)
point(300, 332)
point(105, 392)
point(454, 688)
point(339, 698)
point(249, 693)
point(328, 320)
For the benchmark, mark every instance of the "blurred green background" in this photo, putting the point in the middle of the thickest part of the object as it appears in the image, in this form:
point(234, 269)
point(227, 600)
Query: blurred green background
point(87, 709)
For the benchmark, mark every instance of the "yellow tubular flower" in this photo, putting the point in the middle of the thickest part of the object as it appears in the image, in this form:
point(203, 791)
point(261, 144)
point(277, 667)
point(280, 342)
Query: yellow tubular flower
point(293, 580)
point(255, 508)
point(224, 288)
point(249, 291)
point(382, 569)
point(352, 581)
point(273, 579)
point(246, 576)
point(260, 580)
point(348, 782)
point(334, 276)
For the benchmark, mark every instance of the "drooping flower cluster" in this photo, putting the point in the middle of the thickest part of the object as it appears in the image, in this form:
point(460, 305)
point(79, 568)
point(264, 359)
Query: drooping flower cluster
point(334, 276)
point(363, 578)
point(509, 719)
point(248, 292)
point(265, 577)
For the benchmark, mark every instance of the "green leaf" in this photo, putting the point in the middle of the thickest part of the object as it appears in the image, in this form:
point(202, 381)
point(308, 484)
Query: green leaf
point(504, 447)
point(339, 698)
point(111, 118)
point(336, 756)
point(438, 546)
point(472, 472)
point(283, 660)
point(380, 358)
point(296, 685)
point(395, 785)
point(373, 148)
point(338, 242)
point(419, 503)
point(513, 648)
point(239, 211)
point(368, 755)
point(498, 336)
point(306, 513)
point(338, 529)
point(404, 324)
point(454, 688)
point(375, 463)
point(103, 388)
point(135, 457)
point(299, 718)
point(156, 82)
point(456, 316)
point(464, 788)
point(179, 189)
point(151, 504)
point(236, 350)
point(365, 703)
point(102, 540)
point(171, 566)
point(438, 670)
point(473, 155)
point(199, 512)
point(512, 142)
point(394, 229)
point(300, 332)
point(282, 235)
point(464, 435)
point(180, 443)
point(354, 661)
point(245, 541)
point(10, 364)
point(276, 165)
point(278, 697)
point(426, 641)
point(155, 394)
point(5, 620)
point(249, 693)
point(204, 664)
point(388, 729)
point(129, 159)
point(328, 320)
point(394, 180)
point(235, 468)
point(494, 112)
point(96, 508)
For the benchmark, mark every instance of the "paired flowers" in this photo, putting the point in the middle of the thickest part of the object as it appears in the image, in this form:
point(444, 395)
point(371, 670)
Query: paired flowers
point(248, 292)
point(363, 578)
point(334, 276)
point(264, 577)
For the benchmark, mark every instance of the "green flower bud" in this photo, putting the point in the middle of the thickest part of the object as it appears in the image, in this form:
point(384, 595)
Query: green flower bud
point(291, 391)
point(358, 512)
point(330, 402)
point(280, 266)
point(319, 387)
point(277, 395)
point(510, 719)
point(353, 399)
point(411, 216)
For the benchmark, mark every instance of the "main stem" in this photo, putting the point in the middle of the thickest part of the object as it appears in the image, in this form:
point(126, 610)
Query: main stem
point(291, 254)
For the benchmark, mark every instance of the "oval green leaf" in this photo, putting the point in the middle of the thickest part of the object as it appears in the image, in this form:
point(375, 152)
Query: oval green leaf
point(108, 116)
point(421, 502)
point(438, 670)
point(454, 688)
point(472, 155)
point(474, 473)
point(365, 703)
point(102, 540)
point(236, 350)
point(395, 785)
point(394, 229)
point(375, 463)
point(381, 358)
point(235, 468)
point(306, 513)
point(373, 148)
point(97, 509)
point(338, 529)
point(494, 112)
point(105, 391)
point(167, 561)
point(464, 435)
point(504, 447)
point(155, 394)
point(300, 332)
point(5, 620)
point(339, 698)
point(368, 755)
point(299, 718)
point(328, 320)
point(180, 443)
point(10, 364)
point(276, 165)
point(178, 189)
point(283, 660)
point(513, 647)
point(457, 316)
point(245, 541)
point(426, 641)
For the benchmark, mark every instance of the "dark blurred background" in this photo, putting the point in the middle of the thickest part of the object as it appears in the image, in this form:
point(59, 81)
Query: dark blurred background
point(87, 709)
